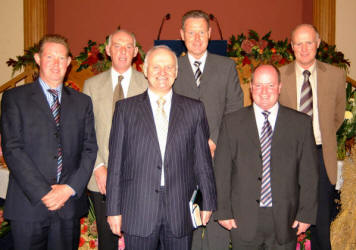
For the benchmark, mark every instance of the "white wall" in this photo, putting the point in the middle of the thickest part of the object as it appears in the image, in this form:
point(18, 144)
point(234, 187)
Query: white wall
point(12, 38)
point(346, 31)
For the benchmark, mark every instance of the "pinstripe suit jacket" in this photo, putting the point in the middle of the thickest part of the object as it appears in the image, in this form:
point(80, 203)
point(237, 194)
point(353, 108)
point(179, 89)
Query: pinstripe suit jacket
point(135, 162)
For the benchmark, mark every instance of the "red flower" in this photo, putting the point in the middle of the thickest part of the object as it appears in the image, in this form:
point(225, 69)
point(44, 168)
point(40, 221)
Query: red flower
point(92, 56)
point(273, 50)
point(262, 44)
point(82, 220)
point(276, 58)
point(81, 241)
point(92, 244)
point(84, 229)
point(245, 61)
point(282, 61)
point(301, 237)
point(247, 45)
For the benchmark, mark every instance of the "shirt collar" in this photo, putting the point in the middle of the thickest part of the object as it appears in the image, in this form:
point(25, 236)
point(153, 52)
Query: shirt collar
point(126, 74)
point(300, 70)
point(202, 59)
point(46, 87)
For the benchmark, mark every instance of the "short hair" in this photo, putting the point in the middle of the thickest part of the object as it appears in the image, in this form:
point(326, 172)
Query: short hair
point(306, 25)
point(195, 14)
point(124, 31)
point(54, 38)
point(262, 64)
point(153, 49)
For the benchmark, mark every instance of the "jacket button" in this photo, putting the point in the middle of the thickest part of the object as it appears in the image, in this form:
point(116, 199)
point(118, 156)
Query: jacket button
point(259, 178)
point(159, 167)
point(55, 157)
point(258, 201)
point(156, 190)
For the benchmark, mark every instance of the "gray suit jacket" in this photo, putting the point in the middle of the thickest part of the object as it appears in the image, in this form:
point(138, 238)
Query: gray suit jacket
point(294, 172)
point(100, 89)
point(219, 88)
point(135, 162)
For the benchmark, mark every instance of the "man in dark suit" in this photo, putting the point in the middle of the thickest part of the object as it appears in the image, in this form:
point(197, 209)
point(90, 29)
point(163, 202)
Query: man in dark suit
point(158, 154)
point(105, 89)
point(49, 145)
point(267, 170)
point(213, 80)
point(317, 89)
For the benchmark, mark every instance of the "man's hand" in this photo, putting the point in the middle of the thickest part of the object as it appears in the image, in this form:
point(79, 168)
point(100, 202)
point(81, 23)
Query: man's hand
point(57, 197)
point(115, 224)
point(100, 176)
point(302, 227)
point(228, 224)
point(212, 147)
point(205, 216)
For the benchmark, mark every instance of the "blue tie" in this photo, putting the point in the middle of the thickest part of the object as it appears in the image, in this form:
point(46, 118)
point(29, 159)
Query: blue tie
point(55, 108)
point(266, 139)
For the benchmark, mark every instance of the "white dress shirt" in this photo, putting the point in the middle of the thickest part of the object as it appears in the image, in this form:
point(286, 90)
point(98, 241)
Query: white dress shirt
point(313, 82)
point(201, 59)
point(167, 108)
point(124, 82)
point(260, 118)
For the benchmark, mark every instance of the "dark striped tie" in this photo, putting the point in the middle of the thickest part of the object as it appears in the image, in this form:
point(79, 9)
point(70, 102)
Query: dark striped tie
point(118, 92)
point(55, 108)
point(265, 140)
point(306, 96)
point(197, 73)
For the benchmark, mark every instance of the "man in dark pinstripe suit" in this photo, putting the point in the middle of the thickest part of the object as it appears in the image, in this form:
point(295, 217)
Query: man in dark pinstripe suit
point(159, 153)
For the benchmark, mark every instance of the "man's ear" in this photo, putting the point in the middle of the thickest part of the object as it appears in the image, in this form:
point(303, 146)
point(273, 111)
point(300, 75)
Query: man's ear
point(182, 34)
point(37, 59)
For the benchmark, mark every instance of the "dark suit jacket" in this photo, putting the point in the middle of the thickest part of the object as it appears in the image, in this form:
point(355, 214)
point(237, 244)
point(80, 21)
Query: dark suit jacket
point(219, 88)
point(294, 172)
point(134, 170)
point(30, 143)
point(331, 106)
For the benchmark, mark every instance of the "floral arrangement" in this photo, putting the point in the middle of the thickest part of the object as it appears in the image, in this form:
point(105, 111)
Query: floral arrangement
point(4, 225)
point(88, 231)
point(347, 132)
point(251, 50)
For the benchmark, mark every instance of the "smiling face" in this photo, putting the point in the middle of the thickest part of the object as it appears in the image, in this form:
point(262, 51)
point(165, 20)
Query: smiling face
point(265, 87)
point(196, 34)
point(305, 43)
point(122, 50)
point(53, 62)
point(161, 70)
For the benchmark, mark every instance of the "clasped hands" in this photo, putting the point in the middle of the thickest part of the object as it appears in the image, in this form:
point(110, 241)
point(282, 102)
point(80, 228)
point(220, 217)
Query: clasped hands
point(57, 197)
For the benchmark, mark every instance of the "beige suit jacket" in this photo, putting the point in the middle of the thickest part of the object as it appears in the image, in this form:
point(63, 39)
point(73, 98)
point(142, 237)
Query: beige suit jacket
point(100, 89)
point(331, 106)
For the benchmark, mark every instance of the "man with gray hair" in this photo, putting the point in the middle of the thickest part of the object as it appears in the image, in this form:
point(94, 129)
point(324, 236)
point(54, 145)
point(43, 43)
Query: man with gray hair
point(105, 89)
point(159, 154)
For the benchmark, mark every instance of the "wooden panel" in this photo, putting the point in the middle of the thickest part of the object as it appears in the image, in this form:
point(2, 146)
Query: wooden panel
point(324, 19)
point(35, 21)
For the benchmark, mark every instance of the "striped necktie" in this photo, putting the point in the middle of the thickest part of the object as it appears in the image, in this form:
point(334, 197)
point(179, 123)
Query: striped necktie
point(265, 140)
point(55, 108)
point(162, 131)
point(197, 74)
point(306, 96)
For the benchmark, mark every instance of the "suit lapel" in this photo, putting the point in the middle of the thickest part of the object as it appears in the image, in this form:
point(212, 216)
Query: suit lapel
point(175, 114)
point(39, 98)
point(147, 116)
point(251, 126)
point(292, 87)
point(133, 87)
point(186, 72)
point(321, 90)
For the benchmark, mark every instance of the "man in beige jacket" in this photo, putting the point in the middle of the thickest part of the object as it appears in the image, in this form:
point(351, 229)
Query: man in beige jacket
point(318, 89)
point(121, 81)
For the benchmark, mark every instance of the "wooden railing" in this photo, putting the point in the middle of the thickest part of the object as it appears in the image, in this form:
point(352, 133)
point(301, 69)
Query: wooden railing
point(26, 75)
